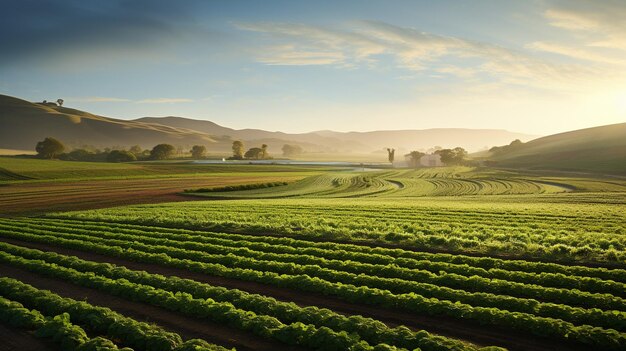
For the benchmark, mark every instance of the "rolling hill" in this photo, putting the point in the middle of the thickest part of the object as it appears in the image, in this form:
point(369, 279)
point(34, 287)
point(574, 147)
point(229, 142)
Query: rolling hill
point(25, 123)
point(598, 149)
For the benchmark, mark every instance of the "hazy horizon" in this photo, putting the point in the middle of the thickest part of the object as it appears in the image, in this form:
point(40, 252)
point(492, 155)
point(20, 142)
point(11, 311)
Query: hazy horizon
point(536, 67)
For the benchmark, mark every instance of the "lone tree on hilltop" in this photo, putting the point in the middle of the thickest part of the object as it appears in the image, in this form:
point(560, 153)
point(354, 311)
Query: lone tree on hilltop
point(238, 150)
point(60, 102)
point(49, 148)
point(198, 151)
point(162, 152)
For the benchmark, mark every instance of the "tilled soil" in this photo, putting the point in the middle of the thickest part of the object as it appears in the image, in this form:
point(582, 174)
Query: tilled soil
point(13, 339)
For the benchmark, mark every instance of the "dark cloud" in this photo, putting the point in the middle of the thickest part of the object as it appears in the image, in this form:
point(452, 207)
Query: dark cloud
point(36, 30)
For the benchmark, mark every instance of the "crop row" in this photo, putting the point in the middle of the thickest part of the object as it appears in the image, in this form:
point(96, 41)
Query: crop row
point(265, 326)
point(567, 237)
point(70, 337)
point(370, 330)
point(523, 322)
point(614, 320)
point(101, 320)
point(212, 254)
point(514, 270)
point(354, 262)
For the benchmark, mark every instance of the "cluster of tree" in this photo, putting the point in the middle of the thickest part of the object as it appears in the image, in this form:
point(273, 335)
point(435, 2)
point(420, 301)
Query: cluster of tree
point(59, 102)
point(414, 158)
point(499, 150)
point(452, 157)
point(449, 157)
point(51, 148)
point(291, 150)
point(255, 153)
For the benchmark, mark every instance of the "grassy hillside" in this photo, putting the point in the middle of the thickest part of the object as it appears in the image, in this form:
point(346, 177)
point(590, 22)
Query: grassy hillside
point(600, 149)
point(25, 123)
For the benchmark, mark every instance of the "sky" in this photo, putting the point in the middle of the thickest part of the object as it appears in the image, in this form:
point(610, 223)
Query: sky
point(537, 66)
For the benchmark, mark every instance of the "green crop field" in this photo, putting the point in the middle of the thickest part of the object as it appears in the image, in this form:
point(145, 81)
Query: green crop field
point(448, 181)
point(307, 258)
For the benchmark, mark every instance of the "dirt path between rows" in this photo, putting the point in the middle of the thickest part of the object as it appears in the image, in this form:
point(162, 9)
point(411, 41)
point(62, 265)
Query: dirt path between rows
point(441, 325)
point(13, 339)
point(187, 327)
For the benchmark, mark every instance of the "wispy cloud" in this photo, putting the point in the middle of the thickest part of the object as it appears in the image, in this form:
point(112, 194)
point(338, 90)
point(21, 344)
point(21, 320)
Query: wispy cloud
point(368, 42)
point(288, 55)
point(301, 44)
point(164, 101)
point(601, 21)
point(576, 53)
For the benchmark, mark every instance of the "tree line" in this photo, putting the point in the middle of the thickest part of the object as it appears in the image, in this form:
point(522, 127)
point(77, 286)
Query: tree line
point(51, 148)
point(449, 157)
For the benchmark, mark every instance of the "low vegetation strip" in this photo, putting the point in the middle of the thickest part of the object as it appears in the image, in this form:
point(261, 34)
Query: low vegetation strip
point(236, 187)
point(521, 322)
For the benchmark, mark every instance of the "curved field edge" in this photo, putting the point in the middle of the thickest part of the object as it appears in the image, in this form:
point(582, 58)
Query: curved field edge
point(444, 181)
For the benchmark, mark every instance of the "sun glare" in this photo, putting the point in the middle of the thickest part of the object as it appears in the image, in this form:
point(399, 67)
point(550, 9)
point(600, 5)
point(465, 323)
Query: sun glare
point(620, 102)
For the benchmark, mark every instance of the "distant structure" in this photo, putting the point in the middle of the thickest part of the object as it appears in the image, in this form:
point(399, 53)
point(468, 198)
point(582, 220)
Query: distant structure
point(391, 155)
point(432, 160)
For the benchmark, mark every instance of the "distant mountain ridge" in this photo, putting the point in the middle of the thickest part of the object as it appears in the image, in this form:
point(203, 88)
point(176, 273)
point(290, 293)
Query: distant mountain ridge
point(24, 123)
point(361, 142)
